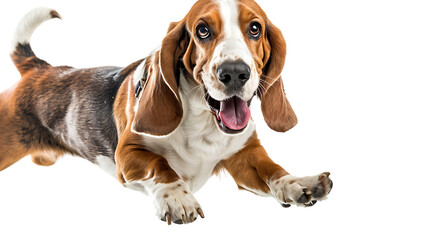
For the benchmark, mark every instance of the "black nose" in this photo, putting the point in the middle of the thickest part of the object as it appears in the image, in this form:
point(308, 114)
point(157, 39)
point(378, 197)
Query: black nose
point(233, 74)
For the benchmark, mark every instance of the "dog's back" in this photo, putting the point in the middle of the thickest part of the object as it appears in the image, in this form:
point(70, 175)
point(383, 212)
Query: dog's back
point(56, 110)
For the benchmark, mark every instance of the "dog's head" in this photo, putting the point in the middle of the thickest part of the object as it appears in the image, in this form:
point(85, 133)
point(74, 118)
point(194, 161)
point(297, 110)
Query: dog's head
point(233, 50)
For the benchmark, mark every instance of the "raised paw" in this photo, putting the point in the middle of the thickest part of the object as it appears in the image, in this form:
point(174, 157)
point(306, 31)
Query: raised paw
point(175, 203)
point(302, 191)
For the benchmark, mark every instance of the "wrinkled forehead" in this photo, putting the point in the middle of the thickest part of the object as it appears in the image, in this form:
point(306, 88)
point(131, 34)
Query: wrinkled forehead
point(218, 12)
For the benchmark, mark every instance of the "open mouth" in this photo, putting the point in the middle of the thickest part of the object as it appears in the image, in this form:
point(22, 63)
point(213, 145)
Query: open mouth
point(232, 114)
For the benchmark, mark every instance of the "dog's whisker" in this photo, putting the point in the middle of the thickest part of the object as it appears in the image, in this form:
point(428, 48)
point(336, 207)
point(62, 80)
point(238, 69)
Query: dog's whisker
point(263, 89)
point(265, 76)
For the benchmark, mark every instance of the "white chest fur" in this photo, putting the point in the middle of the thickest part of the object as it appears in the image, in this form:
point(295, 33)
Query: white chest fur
point(197, 145)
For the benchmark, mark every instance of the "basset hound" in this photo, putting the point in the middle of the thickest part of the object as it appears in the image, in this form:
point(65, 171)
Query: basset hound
point(164, 124)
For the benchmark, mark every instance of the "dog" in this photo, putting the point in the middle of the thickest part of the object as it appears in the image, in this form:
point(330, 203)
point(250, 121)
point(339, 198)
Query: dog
point(166, 123)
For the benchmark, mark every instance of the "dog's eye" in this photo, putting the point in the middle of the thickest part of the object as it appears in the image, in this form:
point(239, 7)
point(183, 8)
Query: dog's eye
point(203, 31)
point(255, 29)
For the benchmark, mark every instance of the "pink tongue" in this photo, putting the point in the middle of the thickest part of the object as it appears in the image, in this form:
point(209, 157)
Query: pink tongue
point(234, 113)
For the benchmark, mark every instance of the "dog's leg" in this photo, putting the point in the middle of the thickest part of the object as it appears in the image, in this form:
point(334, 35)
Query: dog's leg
point(11, 149)
point(253, 170)
point(148, 172)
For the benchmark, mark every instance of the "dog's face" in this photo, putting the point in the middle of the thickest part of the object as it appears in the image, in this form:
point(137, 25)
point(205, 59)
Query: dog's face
point(228, 58)
point(231, 48)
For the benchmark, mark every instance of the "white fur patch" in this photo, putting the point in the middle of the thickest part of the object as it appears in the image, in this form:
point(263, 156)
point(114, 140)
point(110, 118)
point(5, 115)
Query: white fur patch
point(28, 24)
point(71, 119)
point(106, 164)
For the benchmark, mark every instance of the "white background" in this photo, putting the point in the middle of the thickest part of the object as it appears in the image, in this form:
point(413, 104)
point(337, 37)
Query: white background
point(356, 74)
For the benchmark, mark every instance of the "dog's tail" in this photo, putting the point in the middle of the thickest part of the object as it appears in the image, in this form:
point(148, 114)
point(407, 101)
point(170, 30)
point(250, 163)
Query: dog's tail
point(22, 54)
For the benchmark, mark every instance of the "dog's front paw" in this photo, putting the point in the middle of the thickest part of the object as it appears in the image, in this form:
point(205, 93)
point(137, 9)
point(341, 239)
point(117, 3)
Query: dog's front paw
point(304, 191)
point(175, 203)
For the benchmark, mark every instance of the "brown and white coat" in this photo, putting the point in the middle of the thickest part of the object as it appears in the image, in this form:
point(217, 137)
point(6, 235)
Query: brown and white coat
point(189, 121)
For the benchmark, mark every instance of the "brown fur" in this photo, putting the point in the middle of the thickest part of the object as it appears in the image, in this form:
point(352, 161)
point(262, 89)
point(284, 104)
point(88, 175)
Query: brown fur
point(277, 111)
point(133, 161)
point(251, 167)
point(195, 59)
point(159, 111)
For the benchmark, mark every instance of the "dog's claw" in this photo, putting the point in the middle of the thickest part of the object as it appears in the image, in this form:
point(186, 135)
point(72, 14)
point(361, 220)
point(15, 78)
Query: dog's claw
point(286, 205)
point(168, 218)
point(310, 204)
point(200, 212)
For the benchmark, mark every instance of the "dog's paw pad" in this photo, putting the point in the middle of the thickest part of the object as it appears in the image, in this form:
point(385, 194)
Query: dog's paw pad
point(305, 196)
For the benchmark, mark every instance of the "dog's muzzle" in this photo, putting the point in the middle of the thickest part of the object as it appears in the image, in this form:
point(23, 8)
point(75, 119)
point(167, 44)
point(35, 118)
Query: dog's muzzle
point(232, 114)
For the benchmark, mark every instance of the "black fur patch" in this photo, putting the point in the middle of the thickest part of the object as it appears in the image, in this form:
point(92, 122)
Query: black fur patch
point(46, 100)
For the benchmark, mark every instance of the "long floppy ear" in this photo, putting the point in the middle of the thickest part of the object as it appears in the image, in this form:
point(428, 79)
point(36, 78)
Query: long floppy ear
point(160, 109)
point(173, 47)
point(277, 111)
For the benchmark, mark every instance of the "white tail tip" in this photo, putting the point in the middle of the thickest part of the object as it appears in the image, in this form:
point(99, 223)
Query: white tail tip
point(29, 23)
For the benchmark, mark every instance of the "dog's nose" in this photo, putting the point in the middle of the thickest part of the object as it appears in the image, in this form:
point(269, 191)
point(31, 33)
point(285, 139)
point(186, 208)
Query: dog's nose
point(233, 74)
